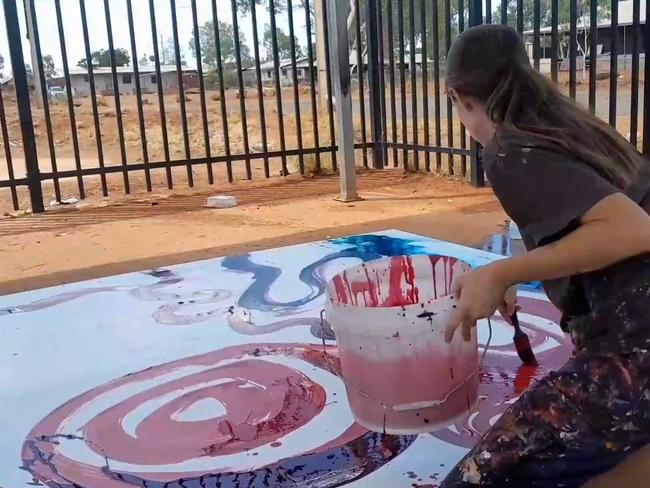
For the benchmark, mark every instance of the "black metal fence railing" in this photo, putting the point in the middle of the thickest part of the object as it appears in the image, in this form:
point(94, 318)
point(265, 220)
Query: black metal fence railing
point(124, 96)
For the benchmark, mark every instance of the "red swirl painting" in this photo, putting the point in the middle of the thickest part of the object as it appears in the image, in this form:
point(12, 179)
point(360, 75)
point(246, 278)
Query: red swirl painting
point(503, 377)
point(245, 416)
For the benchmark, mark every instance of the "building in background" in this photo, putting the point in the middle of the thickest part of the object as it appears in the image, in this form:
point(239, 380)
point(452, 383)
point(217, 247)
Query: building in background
point(103, 78)
point(604, 35)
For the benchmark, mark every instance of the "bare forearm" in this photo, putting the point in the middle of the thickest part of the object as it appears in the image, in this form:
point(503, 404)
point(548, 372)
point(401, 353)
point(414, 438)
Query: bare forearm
point(589, 248)
point(613, 230)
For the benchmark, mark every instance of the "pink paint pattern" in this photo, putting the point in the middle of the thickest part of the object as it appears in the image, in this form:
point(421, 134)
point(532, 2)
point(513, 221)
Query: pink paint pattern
point(263, 402)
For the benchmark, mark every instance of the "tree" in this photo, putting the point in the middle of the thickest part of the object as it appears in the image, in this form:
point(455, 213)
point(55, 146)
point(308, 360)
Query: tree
point(48, 67)
point(244, 6)
point(284, 44)
point(144, 60)
point(102, 58)
point(227, 40)
point(442, 28)
point(2, 67)
point(583, 9)
point(168, 53)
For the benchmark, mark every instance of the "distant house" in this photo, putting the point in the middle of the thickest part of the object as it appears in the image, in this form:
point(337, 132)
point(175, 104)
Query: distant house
point(302, 70)
point(267, 71)
point(9, 85)
point(103, 78)
point(604, 34)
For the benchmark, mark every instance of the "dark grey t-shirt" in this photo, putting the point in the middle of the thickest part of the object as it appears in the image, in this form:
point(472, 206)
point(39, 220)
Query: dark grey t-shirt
point(546, 192)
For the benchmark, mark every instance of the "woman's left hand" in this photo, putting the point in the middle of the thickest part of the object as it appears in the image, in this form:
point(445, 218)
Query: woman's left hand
point(478, 294)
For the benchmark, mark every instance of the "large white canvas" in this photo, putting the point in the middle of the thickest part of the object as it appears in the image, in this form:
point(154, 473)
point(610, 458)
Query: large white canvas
point(58, 343)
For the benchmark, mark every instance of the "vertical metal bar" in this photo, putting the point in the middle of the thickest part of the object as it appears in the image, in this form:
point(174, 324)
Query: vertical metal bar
point(360, 67)
point(425, 81)
point(436, 80)
point(7, 146)
point(204, 109)
point(161, 96)
point(46, 105)
point(402, 80)
point(260, 91)
point(391, 71)
point(328, 69)
point(477, 173)
point(343, 93)
point(93, 101)
point(613, 67)
point(520, 16)
point(593, 54)
point(634, 96)
point(222, 90)
point(296, 94)
point(32, 51)
point(463, 136)
point(24, 109)
point(573, 47)
point(488, 11)
point(278, 85)
point(181, 94)
point(646, 85)
point(554, 39)
point(536, 32)
point(450, 108)
point(68, 91)
point(138, 94)
point(504, 12)
point(382, 85)
point(312, 82)
point(413, 68)
point(116, 96)
point(374, 83)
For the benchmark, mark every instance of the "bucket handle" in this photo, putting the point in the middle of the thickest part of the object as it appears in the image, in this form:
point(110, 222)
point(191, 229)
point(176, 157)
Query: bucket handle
point(421, 404)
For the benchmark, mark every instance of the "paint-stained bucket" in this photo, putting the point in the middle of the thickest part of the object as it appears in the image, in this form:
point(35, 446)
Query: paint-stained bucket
point(389, 318)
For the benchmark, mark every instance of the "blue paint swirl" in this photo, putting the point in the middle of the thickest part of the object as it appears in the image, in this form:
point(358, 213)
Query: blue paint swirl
point(364, 247)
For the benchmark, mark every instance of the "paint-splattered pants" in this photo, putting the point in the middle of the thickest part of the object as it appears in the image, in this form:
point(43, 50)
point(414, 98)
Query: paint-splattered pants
point(573, 425)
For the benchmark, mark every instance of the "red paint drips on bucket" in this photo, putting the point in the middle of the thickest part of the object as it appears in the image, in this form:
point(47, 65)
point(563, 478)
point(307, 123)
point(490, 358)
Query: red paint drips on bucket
point(401, 273)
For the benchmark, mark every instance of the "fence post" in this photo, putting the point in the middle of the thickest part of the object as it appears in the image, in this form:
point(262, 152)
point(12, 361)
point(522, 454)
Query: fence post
point(341, 80)
point(374, 82)
point(477, 174)
point(646, 87)
point(24, 107)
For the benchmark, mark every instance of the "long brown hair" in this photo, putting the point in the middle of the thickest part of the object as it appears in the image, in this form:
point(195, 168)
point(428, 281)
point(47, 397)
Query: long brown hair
point(490, 63)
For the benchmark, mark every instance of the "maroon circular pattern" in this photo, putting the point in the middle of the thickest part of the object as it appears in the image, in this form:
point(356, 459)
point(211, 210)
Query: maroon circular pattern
point(504, 377)
point(263, 399)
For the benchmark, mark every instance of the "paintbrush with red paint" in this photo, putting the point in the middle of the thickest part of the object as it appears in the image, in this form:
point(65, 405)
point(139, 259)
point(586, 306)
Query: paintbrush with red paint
point(522, 343)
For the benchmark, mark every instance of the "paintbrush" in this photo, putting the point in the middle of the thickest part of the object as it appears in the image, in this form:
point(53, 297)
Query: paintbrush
point(522, 343)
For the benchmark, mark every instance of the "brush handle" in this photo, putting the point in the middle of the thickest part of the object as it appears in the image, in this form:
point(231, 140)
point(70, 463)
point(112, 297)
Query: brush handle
point(514, 320)
point(522, 343)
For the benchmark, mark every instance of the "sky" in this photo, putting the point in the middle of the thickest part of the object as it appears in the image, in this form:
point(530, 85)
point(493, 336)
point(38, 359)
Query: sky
point(47, 26)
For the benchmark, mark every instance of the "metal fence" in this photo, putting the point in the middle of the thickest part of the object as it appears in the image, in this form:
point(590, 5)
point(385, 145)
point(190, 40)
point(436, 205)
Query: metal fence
point(255, 98)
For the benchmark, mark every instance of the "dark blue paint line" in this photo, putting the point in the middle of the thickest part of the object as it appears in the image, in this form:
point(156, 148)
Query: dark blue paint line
point(364, 247)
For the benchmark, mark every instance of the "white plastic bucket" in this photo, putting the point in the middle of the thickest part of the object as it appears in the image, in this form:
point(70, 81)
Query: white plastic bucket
point(389, 318)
